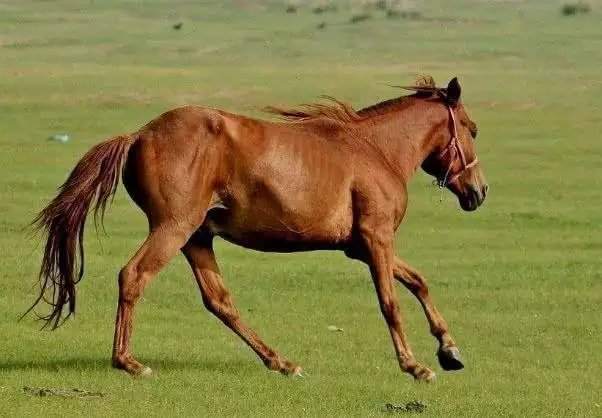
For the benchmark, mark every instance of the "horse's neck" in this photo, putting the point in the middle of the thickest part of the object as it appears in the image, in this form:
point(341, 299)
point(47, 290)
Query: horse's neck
point(404, 137)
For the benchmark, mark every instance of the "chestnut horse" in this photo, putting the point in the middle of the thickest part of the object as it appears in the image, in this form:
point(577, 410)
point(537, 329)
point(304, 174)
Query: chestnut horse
point(326, 178)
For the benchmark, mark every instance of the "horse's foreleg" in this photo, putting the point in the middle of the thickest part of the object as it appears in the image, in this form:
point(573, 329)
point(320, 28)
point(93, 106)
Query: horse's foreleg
point(380, 260)
point(217, 299)
point(160, 247)
point(448, 354)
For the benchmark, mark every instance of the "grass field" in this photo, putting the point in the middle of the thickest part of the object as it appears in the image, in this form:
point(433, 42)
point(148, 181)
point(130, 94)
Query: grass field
point(520, 280)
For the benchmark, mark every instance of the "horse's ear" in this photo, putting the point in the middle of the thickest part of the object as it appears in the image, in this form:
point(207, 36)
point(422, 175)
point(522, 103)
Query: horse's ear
point(453, 91)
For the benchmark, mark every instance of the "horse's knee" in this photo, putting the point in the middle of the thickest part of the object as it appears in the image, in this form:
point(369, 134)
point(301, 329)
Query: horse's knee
point(126, 274)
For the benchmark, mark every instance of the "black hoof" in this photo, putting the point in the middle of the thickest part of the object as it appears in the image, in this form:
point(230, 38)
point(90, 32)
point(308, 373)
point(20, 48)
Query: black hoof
point(449, 358)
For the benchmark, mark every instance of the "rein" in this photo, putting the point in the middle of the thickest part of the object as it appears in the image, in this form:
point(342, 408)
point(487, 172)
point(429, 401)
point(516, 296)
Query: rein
point(454, 144)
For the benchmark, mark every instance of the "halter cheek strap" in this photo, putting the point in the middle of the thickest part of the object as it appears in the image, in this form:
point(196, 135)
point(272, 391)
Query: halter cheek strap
point(454, 144)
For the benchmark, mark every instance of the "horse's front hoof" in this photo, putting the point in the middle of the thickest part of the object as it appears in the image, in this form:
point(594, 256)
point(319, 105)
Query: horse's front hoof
point(449, 358)
point(283, 366)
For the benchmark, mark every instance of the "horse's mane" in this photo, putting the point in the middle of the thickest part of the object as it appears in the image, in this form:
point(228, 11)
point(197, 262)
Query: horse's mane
point(337, 110)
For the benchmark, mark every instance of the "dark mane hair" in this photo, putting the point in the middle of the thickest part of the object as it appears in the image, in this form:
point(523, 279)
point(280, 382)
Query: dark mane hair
point(337, 110)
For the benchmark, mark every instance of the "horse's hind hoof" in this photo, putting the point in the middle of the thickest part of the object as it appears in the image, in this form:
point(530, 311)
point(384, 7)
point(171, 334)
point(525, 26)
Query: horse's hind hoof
point(298, 373)
point(146, 372)
point(449, 358)
point(423, 374)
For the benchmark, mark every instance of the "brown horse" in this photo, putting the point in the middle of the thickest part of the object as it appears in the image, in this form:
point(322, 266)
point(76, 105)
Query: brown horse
point(328, 178)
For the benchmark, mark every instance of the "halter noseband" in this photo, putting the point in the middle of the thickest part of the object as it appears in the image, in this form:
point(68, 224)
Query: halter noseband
point(455, 145)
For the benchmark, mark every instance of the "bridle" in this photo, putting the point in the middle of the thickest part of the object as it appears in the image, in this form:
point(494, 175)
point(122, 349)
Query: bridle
point(453, 144)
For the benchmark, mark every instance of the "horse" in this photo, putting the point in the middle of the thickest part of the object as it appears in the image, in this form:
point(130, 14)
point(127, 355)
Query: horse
point(323, 177)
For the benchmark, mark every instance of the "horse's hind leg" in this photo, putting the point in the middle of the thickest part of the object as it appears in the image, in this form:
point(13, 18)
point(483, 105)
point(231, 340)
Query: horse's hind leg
point(448, 354)
point(217, 299)
point(160, 247)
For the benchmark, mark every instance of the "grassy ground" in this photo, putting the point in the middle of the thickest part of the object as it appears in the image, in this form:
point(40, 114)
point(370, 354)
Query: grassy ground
point(519, 280)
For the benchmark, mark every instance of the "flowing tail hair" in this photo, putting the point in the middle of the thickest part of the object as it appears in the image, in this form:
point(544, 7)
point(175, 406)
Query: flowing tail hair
point(95, 177)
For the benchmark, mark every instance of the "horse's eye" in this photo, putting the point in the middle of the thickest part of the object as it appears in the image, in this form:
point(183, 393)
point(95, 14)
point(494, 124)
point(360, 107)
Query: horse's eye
point(473, 129)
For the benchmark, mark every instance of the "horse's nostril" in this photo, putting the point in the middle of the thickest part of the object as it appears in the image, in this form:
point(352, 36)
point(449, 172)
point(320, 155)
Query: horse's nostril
point(485, 190)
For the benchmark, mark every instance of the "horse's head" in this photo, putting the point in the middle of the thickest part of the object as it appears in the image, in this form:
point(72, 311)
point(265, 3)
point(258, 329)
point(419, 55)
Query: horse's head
point(453, 161)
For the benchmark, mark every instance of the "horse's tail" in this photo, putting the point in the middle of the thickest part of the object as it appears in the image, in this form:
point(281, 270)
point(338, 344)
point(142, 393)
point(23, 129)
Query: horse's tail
point(95, 177)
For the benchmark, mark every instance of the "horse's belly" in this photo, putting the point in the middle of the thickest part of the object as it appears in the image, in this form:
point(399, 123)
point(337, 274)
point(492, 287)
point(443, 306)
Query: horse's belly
point(263, 231)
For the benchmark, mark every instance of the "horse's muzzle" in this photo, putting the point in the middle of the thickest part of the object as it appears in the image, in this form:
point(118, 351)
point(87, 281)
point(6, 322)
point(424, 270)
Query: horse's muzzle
point(474, 197)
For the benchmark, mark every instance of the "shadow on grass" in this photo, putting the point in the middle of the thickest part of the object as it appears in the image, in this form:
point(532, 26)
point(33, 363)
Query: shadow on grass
point(158, 365)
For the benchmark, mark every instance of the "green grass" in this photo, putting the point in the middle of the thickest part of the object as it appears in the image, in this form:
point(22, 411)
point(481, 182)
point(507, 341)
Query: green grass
point(519, 281)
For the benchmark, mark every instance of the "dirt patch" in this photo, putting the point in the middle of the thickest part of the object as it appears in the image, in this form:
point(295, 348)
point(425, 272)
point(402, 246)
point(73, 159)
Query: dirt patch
point(412, 407)
point(63, 393)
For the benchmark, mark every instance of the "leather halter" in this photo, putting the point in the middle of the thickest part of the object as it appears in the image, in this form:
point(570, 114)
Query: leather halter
point(454, 144)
